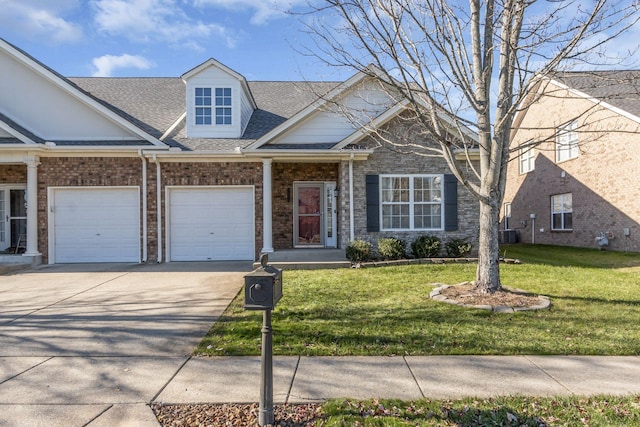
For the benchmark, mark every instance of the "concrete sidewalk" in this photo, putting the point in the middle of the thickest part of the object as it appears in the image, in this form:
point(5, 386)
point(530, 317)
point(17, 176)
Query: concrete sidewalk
point(312, 379)
point(117, 391)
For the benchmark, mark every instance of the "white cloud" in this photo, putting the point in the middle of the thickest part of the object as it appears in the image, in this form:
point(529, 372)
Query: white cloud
point(264, 10)
point(40, 20)
point(105, 65)
point(155, 20)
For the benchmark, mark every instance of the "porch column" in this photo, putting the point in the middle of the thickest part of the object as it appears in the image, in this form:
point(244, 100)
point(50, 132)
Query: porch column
point(267, 211)
point(32, 206)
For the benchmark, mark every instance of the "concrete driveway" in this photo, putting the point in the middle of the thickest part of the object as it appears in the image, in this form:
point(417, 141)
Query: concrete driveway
point(92, 345)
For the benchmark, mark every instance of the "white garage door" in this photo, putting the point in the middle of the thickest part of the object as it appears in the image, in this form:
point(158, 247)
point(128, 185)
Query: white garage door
point(96, 224)
point(211, 224)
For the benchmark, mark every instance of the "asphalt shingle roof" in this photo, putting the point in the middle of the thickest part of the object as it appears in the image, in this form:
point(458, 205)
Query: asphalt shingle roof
point(155, 104)
point(619, 88)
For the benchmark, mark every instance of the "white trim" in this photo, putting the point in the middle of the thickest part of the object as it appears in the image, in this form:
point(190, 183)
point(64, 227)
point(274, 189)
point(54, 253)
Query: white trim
point(4, 126)
point(65, 86)
point(32, 206)
point(528, 155)
point(375, 123)
point(596, 101)
point(568, 130)
point(308, 111)
point(173, 127)
point(267, 208)
point(213, 63)
point(159, 206)
point(411, 203)
point(296, 231)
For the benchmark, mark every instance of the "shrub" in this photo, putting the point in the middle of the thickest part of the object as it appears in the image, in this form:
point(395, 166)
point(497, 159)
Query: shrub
point(426, 246)
point(457, 248)
point(358, 251)
point(392, 248)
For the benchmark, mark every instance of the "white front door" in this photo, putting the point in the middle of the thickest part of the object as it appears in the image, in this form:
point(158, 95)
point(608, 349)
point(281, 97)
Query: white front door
point(13, 217)
point(314, 211)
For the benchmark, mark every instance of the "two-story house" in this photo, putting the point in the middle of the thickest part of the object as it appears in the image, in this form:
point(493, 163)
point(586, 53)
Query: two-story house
point(572, 178)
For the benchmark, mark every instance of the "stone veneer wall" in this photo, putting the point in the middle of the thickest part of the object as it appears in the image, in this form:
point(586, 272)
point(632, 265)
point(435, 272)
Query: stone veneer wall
point(284, 175)
point(385, 161)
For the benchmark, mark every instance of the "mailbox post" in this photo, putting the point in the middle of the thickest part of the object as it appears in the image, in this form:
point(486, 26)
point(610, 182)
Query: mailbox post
point(262, 291)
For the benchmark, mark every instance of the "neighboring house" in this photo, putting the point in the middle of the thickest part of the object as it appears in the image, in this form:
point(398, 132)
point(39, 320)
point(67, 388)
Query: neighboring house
point(579, 187)
point(207, 166)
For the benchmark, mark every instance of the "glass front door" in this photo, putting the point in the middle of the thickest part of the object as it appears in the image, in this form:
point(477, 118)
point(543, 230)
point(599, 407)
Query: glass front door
point(308, 212)
point(13, 219)
point(315, 214)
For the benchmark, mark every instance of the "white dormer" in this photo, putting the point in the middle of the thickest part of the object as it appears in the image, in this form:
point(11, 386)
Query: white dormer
point(219, 102)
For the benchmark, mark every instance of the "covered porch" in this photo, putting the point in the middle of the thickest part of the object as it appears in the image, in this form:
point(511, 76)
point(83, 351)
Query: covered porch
point(307, 259)
point(18, 209)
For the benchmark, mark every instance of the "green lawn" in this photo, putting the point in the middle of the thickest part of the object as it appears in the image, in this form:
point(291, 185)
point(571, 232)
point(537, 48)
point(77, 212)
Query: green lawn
point(595, 307)
point(504, 411)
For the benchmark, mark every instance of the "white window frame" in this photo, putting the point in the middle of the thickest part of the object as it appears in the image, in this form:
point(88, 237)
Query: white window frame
point(204, 106)
point(567, 142)
point(507, 216)
point(411, 203)
point(563, 211)
point(527, 158)
point(223, 103)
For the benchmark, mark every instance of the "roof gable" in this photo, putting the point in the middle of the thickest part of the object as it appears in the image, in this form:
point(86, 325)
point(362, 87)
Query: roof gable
point(332, 116)
point(36, 99)
point(618, 90)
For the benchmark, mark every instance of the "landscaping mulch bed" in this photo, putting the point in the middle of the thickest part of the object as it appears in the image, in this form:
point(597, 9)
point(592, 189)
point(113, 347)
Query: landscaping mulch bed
point(235, 415)
point(466, 294)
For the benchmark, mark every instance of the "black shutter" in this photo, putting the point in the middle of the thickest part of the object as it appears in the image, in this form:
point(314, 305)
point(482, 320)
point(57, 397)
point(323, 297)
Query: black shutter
point(450, 203)
point(373, 202)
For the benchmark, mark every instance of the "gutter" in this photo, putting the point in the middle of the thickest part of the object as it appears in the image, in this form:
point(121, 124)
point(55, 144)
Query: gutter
point(144, 207)
point(352, 231)
point(159, 203)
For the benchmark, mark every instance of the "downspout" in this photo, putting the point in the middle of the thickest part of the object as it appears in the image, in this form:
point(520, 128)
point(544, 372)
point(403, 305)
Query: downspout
point(159, 203)
point(144, 207)
point(351, 213)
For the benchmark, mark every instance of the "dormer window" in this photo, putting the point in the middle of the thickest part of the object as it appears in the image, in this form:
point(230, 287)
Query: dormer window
point(223, 105)
point(219, 102)
point(203, 105)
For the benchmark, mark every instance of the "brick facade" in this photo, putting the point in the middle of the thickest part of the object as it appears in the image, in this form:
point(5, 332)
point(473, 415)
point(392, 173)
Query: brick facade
point(204, 174)
point(13, 174)
point(605, 194)
point(386, 161)
point(81, 172)
point(284, 175)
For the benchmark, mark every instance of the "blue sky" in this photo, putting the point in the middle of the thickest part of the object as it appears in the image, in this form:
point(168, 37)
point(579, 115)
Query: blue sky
point(161, 37)
point(169, 37)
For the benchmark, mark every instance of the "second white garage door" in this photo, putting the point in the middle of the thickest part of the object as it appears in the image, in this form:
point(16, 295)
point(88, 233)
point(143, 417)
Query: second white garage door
point(211, 223)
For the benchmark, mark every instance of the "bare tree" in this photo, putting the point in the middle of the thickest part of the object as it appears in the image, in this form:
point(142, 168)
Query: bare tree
point(458, 65)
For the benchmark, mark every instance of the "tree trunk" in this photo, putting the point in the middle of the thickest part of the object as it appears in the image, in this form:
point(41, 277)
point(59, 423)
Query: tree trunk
point(488, 273)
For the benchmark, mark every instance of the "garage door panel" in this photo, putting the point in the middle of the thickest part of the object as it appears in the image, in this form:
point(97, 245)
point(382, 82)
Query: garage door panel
point(96, 225)
point(211, 224)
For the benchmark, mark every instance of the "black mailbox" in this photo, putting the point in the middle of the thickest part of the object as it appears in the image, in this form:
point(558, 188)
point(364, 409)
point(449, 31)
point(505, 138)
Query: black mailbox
point(262, 288)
